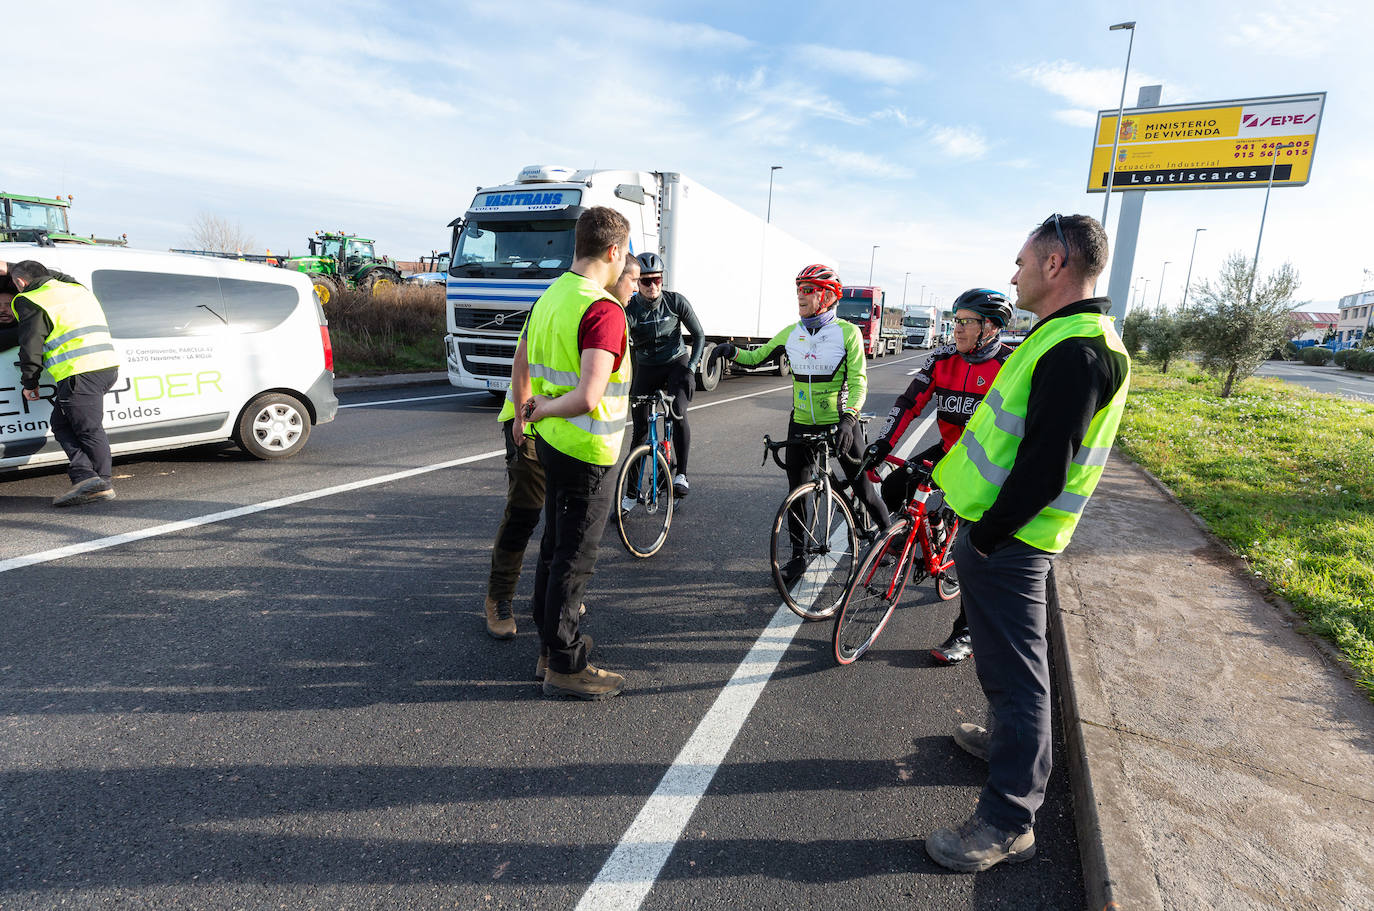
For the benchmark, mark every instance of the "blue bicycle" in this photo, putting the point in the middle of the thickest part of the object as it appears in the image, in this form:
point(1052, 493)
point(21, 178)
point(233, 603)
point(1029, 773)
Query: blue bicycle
point(644, 490)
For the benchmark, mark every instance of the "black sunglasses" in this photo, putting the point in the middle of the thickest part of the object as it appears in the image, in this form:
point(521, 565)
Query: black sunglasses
point(1056, 218)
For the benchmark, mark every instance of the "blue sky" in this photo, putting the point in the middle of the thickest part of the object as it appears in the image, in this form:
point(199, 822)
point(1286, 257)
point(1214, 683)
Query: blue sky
point(940, 132)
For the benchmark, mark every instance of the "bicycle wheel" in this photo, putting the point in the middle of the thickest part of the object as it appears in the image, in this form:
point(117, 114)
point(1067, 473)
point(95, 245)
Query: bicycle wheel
point(873, 593)
point(947, 583)
point(646, 487)
point(827, 551)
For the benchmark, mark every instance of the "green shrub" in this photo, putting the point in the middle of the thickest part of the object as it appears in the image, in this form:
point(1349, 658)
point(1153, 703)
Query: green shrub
point(1361, 360)
point(397, 330)
point(1340, 357)
point(1317, 356)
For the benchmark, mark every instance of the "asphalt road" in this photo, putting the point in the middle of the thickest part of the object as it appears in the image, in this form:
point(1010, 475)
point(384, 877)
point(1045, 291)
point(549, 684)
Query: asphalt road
point(1331, 380)
point(294, 705)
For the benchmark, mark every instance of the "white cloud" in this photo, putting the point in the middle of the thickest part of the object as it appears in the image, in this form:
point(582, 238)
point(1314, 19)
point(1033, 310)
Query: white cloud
point(1076, 118)
point(897, 114)
point(1300, 33)
point(853, 164)
point(860, 64)
point(960, 142)
point(1090, 89)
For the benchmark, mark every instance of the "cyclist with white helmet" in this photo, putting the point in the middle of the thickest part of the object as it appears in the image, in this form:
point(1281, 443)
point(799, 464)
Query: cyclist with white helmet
point(955, 377)
point(829, 384)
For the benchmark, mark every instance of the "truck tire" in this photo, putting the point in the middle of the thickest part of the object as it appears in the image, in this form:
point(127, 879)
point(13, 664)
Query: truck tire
point(326, 288)
point(784, 365)
point(273, 426)
point(707, 381)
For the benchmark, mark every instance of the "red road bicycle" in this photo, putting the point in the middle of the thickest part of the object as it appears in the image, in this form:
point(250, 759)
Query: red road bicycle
point(904, 553)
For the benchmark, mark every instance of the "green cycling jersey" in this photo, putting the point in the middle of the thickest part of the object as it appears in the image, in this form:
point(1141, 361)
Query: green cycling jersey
point(829, 373)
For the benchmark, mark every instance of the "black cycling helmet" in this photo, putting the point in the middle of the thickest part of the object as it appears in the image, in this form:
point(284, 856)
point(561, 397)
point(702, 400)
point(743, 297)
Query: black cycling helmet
point(986, 303)
point(650, 264)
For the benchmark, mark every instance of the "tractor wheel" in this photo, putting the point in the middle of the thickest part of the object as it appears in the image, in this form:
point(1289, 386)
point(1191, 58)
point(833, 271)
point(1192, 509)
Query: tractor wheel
point(326, 288)
point(380, 280)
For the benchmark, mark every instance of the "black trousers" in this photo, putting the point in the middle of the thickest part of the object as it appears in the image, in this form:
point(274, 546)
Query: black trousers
point(799, 460)
point(524, 506)
point(577, 502)
point(675, 379)
point(1007, 596)
point(78, 423)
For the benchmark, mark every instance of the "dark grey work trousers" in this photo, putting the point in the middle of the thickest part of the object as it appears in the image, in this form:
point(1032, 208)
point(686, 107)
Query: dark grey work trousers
point(577, 502)
point(1005, 596)
point(78, 423)
point(524, 506)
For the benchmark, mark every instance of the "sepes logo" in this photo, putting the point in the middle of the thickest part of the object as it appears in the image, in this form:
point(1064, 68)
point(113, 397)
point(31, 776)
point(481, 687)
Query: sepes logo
point(1254, 121)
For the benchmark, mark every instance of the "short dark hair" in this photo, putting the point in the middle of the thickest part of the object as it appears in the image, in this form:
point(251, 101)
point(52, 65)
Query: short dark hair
point(30, 271)
point(597, 229)
point(1084, 237)
point(632, 263)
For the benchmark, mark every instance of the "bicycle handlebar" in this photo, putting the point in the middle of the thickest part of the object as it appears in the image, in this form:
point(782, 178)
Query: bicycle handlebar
point(660, 398)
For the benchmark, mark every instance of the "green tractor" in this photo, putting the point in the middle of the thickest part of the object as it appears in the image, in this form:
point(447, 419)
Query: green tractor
point(43, 220)
point(339, 261)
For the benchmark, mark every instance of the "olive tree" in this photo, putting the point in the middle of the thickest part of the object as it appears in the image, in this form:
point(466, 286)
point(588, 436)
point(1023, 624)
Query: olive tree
point(1130, 330)
point(1164, 336)
point(1233, 328)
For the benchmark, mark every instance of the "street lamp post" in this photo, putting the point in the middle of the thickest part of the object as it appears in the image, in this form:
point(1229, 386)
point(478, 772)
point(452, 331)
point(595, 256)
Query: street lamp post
point(1189, 279)
point(1145, 292)
point(923, 295)
point(776, 167)
point(872, 259)
point(904, 281)
point(1160, 296)
point(1254, 267)
point(1120, 112)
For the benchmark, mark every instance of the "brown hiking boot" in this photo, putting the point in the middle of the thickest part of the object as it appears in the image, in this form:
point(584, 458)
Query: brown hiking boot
point(977, 845)
point(590, 683)
point(88, 491)
point(500, 620)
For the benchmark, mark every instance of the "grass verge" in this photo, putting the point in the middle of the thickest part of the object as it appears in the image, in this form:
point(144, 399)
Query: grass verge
point(396, 331)
point(1283, 475)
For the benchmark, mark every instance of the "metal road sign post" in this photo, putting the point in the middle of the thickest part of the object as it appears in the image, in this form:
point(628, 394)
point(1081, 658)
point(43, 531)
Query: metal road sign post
point(1128, 230)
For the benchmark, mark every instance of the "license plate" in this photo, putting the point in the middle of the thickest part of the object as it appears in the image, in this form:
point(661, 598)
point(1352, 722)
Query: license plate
point(498, 384)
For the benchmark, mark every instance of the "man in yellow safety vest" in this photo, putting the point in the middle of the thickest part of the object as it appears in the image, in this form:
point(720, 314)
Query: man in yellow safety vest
point(571, 376)
point(62, 331)
point(1019, 476)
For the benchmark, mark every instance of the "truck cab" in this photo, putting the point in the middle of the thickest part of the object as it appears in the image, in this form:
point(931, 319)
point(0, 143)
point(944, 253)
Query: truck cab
point(881, 326)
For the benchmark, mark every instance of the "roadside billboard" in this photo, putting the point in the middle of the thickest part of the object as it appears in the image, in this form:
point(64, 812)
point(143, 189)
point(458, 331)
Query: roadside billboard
point(1210, 145)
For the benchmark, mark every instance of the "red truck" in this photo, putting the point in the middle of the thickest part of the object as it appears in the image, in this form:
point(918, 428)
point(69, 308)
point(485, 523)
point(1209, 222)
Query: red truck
point(881, 325)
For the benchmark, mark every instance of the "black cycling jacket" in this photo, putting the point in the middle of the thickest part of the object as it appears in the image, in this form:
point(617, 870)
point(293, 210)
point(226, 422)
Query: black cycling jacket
point(656, 329)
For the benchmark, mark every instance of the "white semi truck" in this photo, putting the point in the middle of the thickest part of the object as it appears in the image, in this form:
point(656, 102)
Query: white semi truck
point(515, 239)
point(922, 326)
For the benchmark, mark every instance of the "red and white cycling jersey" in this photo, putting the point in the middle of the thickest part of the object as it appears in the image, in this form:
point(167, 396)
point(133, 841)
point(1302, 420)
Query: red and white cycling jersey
point(954, 383)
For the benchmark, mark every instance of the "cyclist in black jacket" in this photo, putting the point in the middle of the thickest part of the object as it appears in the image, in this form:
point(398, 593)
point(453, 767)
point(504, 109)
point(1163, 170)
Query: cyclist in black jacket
point(661, 359)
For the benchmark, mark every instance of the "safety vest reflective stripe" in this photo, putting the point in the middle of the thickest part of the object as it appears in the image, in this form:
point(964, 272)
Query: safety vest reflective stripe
point(52, 344)
point(75, 353)
point(569, 378)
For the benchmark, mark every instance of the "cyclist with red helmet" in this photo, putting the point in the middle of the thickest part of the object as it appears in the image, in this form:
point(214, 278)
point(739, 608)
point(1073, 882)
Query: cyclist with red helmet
point(955, 377)
point(829, 384)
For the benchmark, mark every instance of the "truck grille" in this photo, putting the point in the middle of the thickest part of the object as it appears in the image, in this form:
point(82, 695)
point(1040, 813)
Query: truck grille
point(470, 350)
point(500, 320)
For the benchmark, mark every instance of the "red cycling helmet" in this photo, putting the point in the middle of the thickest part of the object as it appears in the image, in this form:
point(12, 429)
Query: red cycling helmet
point(822, 276)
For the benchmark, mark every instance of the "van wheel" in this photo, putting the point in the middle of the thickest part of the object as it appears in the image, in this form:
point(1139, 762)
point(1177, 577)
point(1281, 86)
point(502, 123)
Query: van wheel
point(708, 380)
point(326, 289)
point(784, 366)
point(273, 426)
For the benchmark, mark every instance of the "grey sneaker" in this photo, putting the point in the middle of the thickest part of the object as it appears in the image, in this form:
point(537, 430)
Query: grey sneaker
point(954, 649)
point(973, 739)
point(977, 845)
point(680, 486)
point(627, 504)
point(85, 491)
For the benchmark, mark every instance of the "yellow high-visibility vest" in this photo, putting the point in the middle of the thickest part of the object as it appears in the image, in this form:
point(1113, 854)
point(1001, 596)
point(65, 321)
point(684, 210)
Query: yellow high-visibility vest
point(80, 339)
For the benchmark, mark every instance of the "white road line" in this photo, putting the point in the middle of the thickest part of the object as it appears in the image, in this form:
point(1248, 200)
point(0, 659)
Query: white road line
point(633, 867)
point(418, 398)
point(86, 547)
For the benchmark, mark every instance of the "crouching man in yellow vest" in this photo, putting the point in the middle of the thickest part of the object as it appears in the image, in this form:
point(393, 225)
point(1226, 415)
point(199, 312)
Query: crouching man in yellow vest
point(572, 377)
point(62, 330)
point(1019, 477)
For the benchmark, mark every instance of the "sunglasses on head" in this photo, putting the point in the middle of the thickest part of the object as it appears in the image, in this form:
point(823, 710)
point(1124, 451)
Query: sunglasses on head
point(651, 280)
point(1056, 218)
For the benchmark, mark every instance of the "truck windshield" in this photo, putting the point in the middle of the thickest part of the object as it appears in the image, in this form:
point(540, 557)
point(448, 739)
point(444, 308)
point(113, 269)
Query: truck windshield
point(499, 246)
point(52, 219)
point(854, 310)
point(916, 322)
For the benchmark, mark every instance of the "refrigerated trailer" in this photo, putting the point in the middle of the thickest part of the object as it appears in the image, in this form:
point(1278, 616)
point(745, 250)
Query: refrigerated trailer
point(515, 239)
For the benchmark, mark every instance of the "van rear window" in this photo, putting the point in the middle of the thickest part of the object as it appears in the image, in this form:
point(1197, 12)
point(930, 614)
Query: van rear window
point(168, 305)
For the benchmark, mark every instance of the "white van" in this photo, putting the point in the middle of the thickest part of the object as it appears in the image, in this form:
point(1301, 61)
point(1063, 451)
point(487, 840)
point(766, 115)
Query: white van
point(210, 350)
